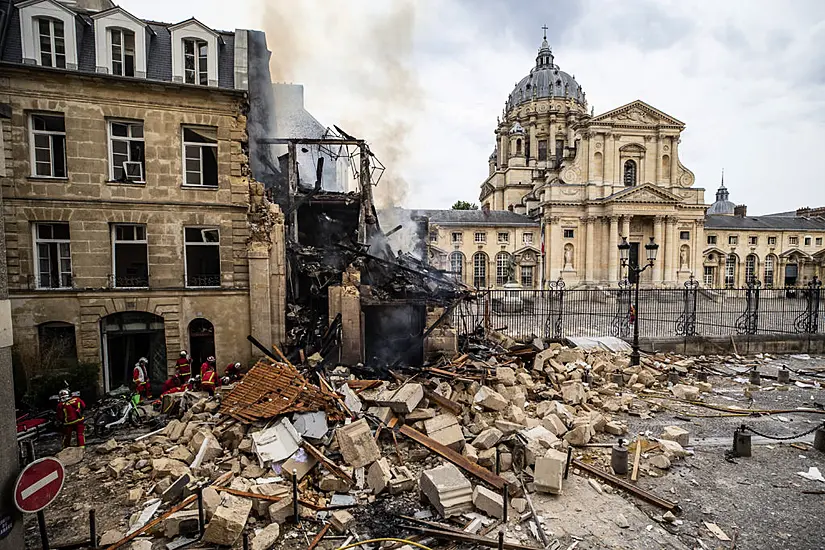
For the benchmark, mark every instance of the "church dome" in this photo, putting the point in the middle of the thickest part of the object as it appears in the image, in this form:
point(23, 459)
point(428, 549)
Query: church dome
point(722, 206)
point(546, 80)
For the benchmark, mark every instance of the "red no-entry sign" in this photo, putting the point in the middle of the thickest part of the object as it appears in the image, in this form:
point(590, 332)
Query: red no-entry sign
point(38, 484)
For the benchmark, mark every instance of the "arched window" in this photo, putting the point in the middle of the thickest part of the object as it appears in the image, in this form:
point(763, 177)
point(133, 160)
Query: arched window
point(770, 266)
point(502, 268)
point(201, 340)
point(665, 167)
point(480, 270)
point(730, 270)
point(630, 173)
point(750, 267)
point(598, 165)
point(457, 265)
point(518, 146)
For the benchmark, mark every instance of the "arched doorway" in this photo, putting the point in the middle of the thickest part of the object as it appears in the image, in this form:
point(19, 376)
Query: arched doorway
point(128, 336)
point(201, 342)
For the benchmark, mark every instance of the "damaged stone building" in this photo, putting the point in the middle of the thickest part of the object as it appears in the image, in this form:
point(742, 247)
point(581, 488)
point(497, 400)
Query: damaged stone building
point(133, 224)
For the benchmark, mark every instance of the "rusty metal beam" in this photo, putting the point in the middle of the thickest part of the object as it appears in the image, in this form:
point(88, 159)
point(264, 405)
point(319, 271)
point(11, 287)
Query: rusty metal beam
point(482, 473)
point(629, 487)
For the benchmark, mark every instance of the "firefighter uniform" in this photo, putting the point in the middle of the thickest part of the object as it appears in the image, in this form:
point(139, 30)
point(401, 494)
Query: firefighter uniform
point(209, 381)
point(141, 381)
point(70, 413)
point(183, 367)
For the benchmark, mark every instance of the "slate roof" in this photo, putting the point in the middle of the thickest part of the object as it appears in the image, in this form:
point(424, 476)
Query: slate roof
point(476, 217)
point(158, 54)
point(769, 222)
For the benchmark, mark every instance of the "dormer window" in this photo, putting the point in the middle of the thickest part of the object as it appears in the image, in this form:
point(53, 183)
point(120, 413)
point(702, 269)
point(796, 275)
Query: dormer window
point(194, 53)
point(196, 61)
point(123, 52)
point(51, 43)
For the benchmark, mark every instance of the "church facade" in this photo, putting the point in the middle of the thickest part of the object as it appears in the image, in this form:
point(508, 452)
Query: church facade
point(590, 180)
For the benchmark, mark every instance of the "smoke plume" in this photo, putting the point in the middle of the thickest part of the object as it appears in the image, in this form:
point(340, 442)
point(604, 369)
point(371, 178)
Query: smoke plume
point(357, 57)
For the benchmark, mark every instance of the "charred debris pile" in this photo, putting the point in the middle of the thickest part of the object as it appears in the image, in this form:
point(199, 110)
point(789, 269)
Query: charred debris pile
point(335, 238)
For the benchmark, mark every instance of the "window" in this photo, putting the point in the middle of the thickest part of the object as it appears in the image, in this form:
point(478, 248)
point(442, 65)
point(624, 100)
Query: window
point(527, 238)
point(502, 268)
point(708, 276)
point(53, 252)
point(733, 240)
point(559, 150)
point(456, 237)
point(542, 149)
point(58, 347)
point(818, 241)
point(123, 52)
point(127, 151)
point(630, 173)
point(130, 256)
point(457, 265)
point(750, 267)
point(769, 269)
point(753, 241)
point(203, 260)
point(711, 239)
point(684, 235)
point(807, 241)
point(730, 270)
point(527, 276)
point(51, 43)
point(480, 270)
point(772, 241)
point(480, 237)
point(568, 233)
point(504, 238)
point(793, 241)
point(200, 150)
point(195, 61)
point(48, 144)
point(433, 236)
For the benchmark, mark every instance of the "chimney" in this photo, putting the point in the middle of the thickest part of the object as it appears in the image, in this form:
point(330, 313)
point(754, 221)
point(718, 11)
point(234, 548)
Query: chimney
point(740, 210)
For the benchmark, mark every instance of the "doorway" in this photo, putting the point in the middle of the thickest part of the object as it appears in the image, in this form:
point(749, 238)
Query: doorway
point(127, 337)
point(201, 342)
point(791, 274)
point(634, 262)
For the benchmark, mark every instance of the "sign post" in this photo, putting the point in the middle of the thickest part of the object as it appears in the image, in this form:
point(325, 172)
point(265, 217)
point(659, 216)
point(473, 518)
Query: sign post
point(36, 487)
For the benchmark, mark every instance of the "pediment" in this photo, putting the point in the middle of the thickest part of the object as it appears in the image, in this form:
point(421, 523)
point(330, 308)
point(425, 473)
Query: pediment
point(117, 10)
point(190, 24)
point(437, 251)
point(527, 249)
point(637, 113)
point(644, 193)
point(795, 252)
point(715, 250)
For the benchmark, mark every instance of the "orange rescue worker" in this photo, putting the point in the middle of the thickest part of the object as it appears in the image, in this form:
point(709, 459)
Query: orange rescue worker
point(208, 364)
point(183, 366)
point(209, 380)
point(70, 413)
point(140, 377)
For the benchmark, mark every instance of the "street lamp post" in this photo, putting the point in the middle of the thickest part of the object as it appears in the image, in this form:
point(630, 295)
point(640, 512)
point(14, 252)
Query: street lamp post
point(624, 253)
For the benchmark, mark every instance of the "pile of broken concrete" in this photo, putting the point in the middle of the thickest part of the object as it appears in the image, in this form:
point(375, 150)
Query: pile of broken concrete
point(515, 422)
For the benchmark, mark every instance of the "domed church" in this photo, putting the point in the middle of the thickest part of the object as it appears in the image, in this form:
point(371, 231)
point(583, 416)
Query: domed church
point(590, 180)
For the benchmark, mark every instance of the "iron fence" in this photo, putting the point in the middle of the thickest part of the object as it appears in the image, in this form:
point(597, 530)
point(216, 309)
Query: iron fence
point(691, 310)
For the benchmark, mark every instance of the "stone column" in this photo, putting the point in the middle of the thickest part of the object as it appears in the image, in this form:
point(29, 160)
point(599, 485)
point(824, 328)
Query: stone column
point(534, 143)
point(613, 251)
point(698, 237)
point(590, 256)
point(260, 298)
point(658, 159)
point(503, 149)
point(779, 276)
point(554, 251)
point(551, 146)
point(657, 237)
point(674, 170)
point(626, 226)
point(609, 159)
point(671, 251)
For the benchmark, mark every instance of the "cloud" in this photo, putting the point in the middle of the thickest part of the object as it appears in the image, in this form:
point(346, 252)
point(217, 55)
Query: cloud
point(746, 76)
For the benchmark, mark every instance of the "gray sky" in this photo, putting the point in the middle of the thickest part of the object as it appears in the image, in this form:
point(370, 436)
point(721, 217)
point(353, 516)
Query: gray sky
point(423, 81)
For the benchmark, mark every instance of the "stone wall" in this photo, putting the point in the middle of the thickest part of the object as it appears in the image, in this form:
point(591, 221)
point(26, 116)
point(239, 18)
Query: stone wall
point(90, 203)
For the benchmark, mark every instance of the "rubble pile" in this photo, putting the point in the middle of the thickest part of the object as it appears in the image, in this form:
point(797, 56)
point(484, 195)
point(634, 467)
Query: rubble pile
point(473, 428)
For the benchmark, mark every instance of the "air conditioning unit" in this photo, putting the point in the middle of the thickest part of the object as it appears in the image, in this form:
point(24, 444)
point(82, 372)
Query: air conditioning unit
point(133, 170)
